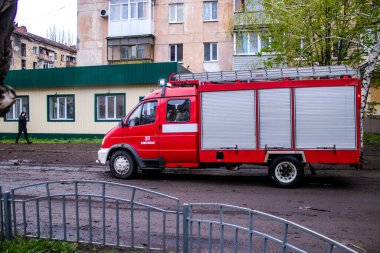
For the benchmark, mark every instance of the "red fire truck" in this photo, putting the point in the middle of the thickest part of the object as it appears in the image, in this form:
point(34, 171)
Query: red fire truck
point(283, 118)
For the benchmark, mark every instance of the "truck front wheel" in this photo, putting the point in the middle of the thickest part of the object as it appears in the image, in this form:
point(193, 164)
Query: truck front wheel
point(286, 171)
point(122, 165)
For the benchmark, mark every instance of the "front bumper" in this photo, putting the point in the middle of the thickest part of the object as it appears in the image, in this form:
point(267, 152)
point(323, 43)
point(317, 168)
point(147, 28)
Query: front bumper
point(102, 155)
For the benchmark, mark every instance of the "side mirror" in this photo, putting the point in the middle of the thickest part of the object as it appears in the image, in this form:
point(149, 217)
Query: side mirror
point(122, 122)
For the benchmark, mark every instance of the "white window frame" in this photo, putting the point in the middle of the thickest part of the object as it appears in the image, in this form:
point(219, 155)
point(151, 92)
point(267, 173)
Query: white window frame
point(56, 107)
point(176, 52)
point(259, 44)
point(210, 45)
point(207, 17)
point(132, 13)
point(177, 7)
point(116, 12)
point(17, 108)
point(106, 104)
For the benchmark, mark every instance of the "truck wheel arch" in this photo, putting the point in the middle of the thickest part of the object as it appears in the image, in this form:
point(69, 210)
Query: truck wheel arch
point(128, 148)
point(271, 155)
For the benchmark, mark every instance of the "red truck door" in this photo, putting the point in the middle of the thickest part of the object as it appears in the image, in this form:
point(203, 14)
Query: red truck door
point(142, 130)
point(179, 135)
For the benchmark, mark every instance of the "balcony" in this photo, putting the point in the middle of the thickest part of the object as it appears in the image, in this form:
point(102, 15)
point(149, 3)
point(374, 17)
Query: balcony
point(46, 57)
point(243, 19)
point(70, 64)
point(136, 20)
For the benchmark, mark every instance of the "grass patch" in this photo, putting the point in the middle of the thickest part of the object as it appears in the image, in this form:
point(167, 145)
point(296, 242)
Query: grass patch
point(57, 141)
point(371, 139)
point(19, 245)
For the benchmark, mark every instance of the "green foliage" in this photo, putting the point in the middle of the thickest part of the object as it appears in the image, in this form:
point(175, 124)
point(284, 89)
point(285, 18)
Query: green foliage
point(19, 245)
point(331, 31)
point(371, 139)
point(371, 109)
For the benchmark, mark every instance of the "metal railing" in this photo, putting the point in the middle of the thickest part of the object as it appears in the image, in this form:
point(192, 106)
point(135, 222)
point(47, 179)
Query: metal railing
point(93, 212)
point(112, 214)
point(210, 227)
point(249, 18)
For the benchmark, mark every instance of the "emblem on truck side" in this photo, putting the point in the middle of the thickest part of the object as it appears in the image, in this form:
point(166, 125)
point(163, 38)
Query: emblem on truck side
point(147, 141)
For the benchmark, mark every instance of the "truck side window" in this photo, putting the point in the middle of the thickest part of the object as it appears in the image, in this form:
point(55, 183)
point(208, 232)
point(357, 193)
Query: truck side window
point(178, 110)
point(144, 114)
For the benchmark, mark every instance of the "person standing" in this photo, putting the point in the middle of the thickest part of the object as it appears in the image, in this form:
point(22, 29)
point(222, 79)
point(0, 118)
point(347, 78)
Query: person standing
point(22, 128)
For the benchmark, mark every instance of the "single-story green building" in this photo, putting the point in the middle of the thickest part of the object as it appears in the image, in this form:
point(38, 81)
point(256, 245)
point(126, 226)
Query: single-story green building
point(80, 101)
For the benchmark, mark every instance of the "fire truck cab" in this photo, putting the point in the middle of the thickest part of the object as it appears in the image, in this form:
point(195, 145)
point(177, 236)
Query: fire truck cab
point(283, 118)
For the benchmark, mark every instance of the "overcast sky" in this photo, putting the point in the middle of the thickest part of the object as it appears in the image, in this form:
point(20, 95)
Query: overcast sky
point(39, 15)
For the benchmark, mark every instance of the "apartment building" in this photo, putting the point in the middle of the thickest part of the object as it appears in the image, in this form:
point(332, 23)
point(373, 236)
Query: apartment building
point(195, 33)
point(248, 41)
point(34, 52)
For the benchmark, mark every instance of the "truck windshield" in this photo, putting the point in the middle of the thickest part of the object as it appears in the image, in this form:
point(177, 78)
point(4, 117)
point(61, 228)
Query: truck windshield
point(144, 114)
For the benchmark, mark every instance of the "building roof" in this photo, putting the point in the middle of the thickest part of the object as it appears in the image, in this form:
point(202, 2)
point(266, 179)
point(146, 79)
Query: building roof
point(22, 31)
point(125, 74)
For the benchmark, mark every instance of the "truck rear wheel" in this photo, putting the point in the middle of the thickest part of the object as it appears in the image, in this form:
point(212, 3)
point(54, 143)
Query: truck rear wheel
point(286, 171)
point(122, 165)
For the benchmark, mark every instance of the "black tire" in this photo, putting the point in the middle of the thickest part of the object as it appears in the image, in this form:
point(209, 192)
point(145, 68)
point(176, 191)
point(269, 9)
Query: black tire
point(286, 171)
point(122, 165)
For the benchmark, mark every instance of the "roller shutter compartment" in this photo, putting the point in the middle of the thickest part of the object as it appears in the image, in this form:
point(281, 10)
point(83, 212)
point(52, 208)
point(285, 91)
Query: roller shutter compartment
point(275, 118)
point(325, 117)
point(228, 120)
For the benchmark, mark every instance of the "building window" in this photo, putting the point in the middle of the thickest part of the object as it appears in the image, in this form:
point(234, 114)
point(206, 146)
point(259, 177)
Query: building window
point(132, 52)
point(61, 108)
point(21, 105)
point(34, 50)
point(176, 52)
point(175, 13)
point(210, 11)
point(23, 64)
point(128, 9)
point(210, 51)
point(249, 43)
point(247, 5)
point(55, 56)
point(178, 110)
point(124, 11)
point(109, 106)
point(34, 65)
point(23, 49)
point(130, 49)
point(62, 57)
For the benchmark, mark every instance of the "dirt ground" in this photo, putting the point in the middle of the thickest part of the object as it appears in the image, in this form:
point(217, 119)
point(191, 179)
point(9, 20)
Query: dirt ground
point(340, 202)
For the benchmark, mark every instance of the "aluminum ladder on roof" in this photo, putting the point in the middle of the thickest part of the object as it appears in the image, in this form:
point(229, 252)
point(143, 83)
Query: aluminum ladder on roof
point(266, 74)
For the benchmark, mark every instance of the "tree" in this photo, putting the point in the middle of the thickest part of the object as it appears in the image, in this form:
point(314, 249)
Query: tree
point(8, 10)
point(62, 36)
point(323, 32)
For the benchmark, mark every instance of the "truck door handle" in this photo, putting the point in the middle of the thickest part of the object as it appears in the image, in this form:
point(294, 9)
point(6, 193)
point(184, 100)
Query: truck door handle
point(159, 127)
